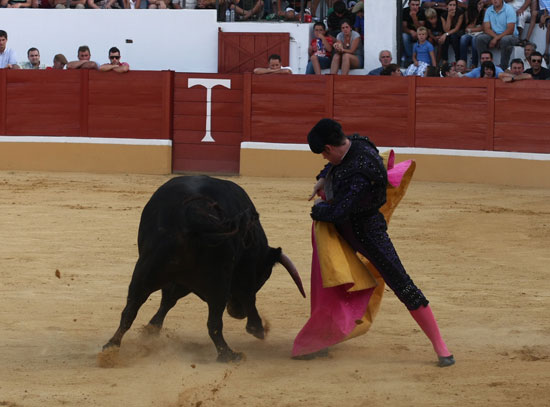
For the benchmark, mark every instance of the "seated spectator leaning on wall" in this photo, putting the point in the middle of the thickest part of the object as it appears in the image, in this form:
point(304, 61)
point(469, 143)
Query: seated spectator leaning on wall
point(460, 67)
point(273, 67)
point(499, 31)
point(59, 62)
point(385, 59)
point(74, 3)
point(516, 72)
point(34, 60)
point(334, 19)
point(115, 64)
point(83, 62)
point(527, 51)
point(484, 57)
point(7, 55)
point(536, 70)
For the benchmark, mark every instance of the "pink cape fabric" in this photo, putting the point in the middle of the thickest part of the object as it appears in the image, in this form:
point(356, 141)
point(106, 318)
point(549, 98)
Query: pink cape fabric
point(334, 310)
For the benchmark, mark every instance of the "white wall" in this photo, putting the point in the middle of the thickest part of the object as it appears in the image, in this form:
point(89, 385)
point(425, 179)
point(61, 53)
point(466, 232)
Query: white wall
point(180, 40)
point(380, 31)
point(162, 39)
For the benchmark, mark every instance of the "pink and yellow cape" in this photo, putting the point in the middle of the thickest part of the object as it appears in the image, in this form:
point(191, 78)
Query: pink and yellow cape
point(346, 290)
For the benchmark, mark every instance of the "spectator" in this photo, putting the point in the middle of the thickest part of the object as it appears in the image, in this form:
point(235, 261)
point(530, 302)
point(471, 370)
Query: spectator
point(500, 32)
point(516, 72)
point(536, 70)
point(339, 14)
point(83, 62)
point(413, 18)
point(59, 62)
point(452, 21)
point(460, 67)
point(391, 70)
point(7, 55)
point(487, 70)
point(348, 50)
point(115, 63)
point(274, 67)
point(290, 9)
point(486, 56)
point(184, 4)
point(73, 3)
point(545, 24)
point(359, 25)
point(523, 12)
point(438, 5)
point(436, 34)
point(16, 3)
point(474, 26)
point(385, 60)
point(432, 72)
point(33, 62)
point(97, 4)
point(152, 4)
point(448, 71)
point(423, 54)
point(240, 9)
point(320, 50)
point(527, 51)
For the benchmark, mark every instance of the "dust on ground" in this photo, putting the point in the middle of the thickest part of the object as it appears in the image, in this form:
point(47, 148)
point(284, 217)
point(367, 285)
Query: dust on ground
point(68, 246)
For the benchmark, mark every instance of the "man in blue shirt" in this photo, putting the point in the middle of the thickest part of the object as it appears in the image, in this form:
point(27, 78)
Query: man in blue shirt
point(476, 72)
point(499, 31)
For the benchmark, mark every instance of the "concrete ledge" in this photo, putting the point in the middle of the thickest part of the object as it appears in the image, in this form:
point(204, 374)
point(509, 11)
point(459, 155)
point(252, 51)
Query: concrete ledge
point(483, 167)
point(99, 156)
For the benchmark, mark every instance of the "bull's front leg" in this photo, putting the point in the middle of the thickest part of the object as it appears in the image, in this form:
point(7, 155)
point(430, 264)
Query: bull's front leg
point(254, 323)
point(215, 330)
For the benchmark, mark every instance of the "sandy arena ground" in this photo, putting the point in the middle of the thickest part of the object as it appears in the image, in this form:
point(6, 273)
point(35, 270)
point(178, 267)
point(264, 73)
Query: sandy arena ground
point(479, 253)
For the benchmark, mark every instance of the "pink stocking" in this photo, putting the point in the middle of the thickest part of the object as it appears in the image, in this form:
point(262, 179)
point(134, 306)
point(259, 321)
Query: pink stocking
point(425, 318)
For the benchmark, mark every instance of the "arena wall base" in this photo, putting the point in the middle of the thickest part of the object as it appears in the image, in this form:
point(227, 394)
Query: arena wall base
point(86, 155)
point(436, 165)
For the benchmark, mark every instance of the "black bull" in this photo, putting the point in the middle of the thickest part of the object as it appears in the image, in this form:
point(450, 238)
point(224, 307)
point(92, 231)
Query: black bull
point(202, 235)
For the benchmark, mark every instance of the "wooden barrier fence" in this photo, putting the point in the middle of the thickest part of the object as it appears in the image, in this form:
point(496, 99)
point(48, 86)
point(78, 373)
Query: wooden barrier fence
point(447, 113)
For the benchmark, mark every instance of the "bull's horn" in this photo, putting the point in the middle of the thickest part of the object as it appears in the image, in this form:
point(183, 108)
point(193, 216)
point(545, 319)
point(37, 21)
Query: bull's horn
point(287, 263)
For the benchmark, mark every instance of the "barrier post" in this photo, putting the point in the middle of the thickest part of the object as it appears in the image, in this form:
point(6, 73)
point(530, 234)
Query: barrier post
point(329, 96)
point(3, 101)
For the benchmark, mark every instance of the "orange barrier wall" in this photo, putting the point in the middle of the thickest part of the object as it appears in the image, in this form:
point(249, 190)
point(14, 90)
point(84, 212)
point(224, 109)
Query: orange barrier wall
point(464, 114)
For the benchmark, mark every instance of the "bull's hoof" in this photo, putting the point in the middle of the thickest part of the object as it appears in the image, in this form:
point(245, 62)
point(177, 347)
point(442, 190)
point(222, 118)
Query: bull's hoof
point(151, 329)
point(110, 345)
point(258, 332)
point(230, 356)
point(108, 357)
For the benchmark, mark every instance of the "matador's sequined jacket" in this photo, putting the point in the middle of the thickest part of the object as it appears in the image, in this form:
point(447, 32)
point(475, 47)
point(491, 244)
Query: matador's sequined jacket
point(358, 184)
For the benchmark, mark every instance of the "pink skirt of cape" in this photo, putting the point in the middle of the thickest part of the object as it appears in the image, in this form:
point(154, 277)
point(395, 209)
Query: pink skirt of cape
point(335, 310)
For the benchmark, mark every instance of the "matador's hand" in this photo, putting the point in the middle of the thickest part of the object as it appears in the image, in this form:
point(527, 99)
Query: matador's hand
point(320, 185)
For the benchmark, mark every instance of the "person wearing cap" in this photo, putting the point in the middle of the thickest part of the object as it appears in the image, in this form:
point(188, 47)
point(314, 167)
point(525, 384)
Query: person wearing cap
point(359, 24)
point(351, 190)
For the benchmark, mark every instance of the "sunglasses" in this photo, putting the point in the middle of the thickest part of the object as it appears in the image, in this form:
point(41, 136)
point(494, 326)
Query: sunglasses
point(536, 60)
point(114, 56)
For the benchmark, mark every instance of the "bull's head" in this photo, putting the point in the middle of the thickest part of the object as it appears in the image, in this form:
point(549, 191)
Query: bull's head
point(239, 306)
